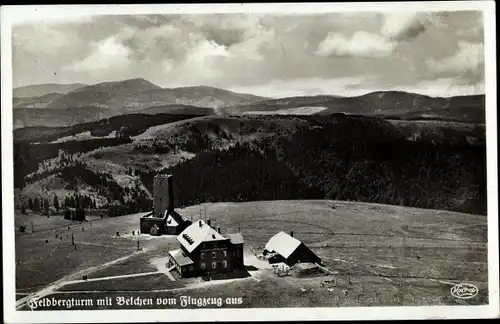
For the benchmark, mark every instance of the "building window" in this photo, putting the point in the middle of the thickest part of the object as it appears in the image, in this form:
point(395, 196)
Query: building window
point(225, 253)
point(238, 252)
point(224, 263)
point(203, 265)
point(191, 268)
point(214, 265)
point(213, 254)
point(203, 255)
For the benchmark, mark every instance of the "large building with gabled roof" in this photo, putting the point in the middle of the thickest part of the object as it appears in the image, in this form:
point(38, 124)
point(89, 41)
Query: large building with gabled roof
point(285, 248)
point(205, 251)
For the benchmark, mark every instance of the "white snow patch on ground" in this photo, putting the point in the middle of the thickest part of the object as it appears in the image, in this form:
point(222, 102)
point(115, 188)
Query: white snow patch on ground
point(144, 237)
point(291, 111)
point(251, 260)
point(386, 266)
point(151, 132)
point(83, 136)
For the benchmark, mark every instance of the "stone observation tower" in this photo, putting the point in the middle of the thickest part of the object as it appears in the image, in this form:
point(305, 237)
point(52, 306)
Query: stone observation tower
point(164, 220)
point(163, 194)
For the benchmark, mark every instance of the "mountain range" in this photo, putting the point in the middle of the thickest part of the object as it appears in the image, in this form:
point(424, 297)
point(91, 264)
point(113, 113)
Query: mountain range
point(129, 96)
point(63, 105)
point(39, 90)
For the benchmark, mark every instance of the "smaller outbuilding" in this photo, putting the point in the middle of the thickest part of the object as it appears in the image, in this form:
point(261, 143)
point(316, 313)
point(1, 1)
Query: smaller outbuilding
point(285, 248)
point(170, 223)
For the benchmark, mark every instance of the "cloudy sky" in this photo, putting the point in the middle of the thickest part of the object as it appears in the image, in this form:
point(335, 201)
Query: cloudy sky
point(271, 55)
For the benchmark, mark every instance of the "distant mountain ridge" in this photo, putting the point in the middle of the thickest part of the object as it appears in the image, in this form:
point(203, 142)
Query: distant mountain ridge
point(137, 94)
point(35, 102)
point(396, 104)
point(38, 90)
point(141, 96)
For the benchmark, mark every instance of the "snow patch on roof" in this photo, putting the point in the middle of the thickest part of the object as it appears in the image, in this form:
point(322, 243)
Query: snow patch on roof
point(236, 238)
point(197, 233)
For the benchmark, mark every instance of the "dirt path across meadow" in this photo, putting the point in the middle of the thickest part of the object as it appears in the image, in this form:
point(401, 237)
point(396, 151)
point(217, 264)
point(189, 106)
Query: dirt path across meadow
point(48, 290)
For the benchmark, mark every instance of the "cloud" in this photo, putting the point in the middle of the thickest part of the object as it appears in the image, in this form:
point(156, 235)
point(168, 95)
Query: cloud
point(403, 26)
point(205, 51)
point(395, 28)
point(356, 86)
point(276, 53)
point(447, 87)
point(361, 44)
point(440, 87)
point(200, 64)
point(251, 47)
point(35, 39)
point(107, 54)
point(468, 58)
point(305, 87)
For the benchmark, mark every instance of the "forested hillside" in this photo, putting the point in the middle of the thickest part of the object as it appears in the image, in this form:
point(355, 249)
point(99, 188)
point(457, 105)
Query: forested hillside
point(419, 164)
point(353, 159)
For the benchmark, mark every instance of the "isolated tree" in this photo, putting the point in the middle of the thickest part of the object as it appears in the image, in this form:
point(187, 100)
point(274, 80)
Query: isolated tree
point(36, 205)
point(30, 204)
point(23, 209)
point(56, 203)
point(45, 206)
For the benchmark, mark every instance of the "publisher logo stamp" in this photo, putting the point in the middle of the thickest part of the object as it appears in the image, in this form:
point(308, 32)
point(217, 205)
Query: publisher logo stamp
point(464, 291)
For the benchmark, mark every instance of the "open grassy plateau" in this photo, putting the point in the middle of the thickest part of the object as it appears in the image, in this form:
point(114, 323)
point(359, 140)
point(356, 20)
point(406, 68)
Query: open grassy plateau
point(377, 254)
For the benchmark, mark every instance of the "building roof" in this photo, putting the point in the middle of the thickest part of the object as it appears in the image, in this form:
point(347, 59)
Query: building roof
point(197, 233)
point(283, 244)
point(180, 258)
point(171, 221)
point(174, 217)
point(235, 238)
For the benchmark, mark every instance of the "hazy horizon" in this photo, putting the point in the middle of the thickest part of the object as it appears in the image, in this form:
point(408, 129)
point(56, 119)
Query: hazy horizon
point(268, 96)
point(271, 55)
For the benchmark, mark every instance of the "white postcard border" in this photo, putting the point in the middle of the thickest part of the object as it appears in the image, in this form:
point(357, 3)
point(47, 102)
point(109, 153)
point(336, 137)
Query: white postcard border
point(11, 15)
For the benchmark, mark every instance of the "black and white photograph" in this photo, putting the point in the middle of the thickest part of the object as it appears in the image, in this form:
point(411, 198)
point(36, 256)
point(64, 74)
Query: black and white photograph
point(337, 159)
